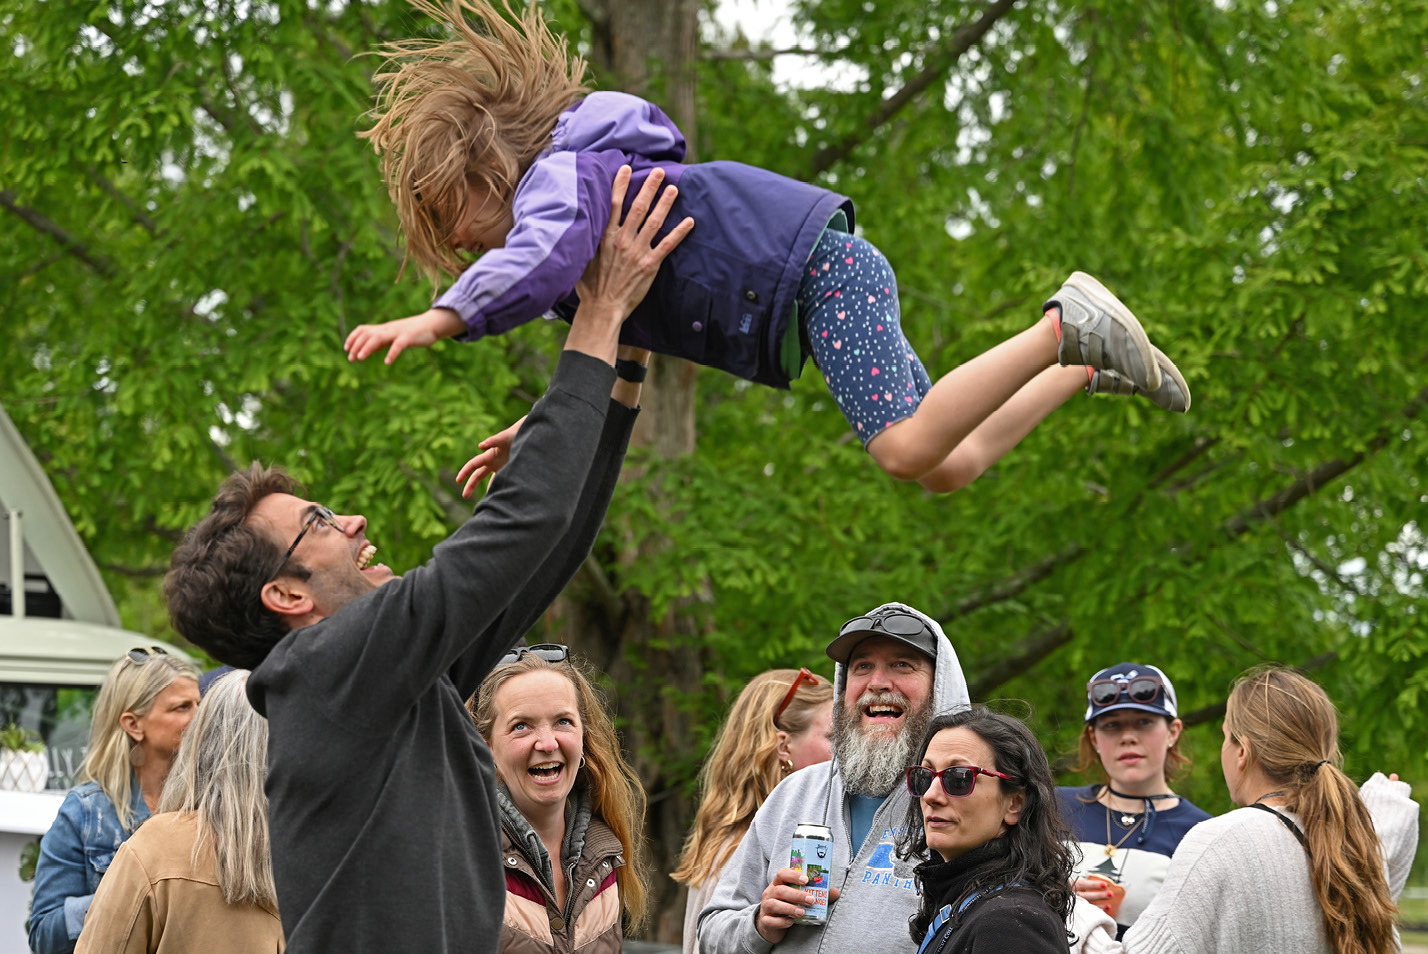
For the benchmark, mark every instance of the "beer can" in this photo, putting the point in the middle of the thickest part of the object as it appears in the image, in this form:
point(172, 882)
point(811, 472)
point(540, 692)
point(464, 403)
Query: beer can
point(812, 854)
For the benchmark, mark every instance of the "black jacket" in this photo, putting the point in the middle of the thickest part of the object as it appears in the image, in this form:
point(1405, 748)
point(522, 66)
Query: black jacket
point(382, 795)
point(1014, 920)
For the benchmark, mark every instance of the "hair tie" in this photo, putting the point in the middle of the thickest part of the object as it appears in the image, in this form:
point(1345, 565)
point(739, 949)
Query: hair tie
point(1317, 764)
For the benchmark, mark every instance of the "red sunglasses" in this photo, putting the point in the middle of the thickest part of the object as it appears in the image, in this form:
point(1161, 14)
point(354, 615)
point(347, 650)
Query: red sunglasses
point(804, 676)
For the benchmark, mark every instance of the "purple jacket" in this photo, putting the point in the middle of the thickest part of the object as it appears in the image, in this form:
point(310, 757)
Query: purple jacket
point(723, 298)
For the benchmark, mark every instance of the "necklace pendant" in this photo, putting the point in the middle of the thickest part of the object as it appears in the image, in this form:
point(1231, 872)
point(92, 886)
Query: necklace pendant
point(1127, 819)
point(1110, 850)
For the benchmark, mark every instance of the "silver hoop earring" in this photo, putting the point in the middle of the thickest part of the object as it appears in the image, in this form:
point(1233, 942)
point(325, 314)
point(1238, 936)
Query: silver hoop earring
point(582, 762)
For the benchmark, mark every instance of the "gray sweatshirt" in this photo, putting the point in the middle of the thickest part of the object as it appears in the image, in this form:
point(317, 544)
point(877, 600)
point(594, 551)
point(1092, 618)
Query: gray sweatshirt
point(878, 891)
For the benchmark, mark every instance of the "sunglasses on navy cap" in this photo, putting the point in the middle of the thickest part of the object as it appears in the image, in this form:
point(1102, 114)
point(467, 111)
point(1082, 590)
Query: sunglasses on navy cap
point(1141, 689)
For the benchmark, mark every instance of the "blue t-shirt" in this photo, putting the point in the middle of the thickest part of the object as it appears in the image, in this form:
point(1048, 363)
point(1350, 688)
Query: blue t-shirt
point(1139, 860)
point(861, 809)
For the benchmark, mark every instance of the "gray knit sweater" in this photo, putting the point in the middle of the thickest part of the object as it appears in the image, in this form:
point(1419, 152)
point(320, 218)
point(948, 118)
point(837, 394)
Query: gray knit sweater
point(1240, 883)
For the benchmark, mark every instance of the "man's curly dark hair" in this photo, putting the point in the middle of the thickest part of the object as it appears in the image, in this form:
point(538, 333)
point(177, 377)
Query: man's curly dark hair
point(217, 573)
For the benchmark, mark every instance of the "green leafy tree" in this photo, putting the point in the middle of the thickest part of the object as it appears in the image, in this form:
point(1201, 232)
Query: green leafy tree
point(193, 227)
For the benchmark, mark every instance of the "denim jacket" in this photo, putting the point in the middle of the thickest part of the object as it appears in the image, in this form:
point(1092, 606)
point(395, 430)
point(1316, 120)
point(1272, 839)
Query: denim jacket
point(74, 854)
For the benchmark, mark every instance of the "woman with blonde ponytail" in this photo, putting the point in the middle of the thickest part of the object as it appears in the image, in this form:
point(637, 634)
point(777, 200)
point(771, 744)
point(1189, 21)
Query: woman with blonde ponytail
point(781, 722)
point(1308, 863)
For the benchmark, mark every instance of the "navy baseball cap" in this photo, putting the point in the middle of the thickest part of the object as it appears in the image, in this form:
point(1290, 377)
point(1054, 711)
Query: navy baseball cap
point(1130, 686)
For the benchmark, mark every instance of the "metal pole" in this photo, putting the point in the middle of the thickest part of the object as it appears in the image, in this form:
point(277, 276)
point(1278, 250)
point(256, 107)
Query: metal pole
point(17, 565)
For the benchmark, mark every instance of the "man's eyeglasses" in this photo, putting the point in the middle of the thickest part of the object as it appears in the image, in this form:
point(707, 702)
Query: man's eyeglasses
point(894, 624)
point(957, 780)
point(319, 514)
point(804, 676)
point(141, 654)
point(550, 652)
point(1141, 689)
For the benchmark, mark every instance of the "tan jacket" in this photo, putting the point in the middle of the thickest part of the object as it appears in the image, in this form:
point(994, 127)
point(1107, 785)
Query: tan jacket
point(154, 899)
point(533, 922)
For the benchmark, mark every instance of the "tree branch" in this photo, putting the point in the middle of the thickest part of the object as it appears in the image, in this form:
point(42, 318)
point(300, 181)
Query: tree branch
point(134, 208)
point(1032, 650)
point(41, 223)
point(938, 63)
point(1013, 585)
point(765, 54)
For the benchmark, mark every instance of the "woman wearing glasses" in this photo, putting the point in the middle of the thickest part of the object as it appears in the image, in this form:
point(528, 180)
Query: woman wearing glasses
point(145, 703)
point(199, 875)
point(1129, 825)
point(781, 722)
point(998, 878)
point(571, 808)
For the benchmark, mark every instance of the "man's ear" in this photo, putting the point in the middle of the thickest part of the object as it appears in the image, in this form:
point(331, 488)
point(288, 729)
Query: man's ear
point(288, 596)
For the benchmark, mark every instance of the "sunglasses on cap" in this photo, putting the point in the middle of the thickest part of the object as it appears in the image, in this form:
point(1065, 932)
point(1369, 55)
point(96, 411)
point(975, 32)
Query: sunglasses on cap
point(957, 780)
point(141, 654)
point(1141, 689)
point(894, 624)
point(550, 652)
point(804, 676)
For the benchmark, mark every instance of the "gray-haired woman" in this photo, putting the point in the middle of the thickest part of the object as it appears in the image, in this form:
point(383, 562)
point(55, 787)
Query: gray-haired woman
point(144, 705)
point(199, 875)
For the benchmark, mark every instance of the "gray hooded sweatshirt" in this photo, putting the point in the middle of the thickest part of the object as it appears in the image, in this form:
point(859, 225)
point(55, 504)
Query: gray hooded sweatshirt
point(878, 894)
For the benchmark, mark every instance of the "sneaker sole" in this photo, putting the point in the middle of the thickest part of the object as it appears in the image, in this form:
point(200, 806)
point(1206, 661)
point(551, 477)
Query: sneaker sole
point(1101, 295)
point(1168, 368)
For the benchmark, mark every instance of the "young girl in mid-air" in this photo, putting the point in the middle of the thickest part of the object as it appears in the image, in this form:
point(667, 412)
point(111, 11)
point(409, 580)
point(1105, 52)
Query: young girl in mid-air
point(491, 144)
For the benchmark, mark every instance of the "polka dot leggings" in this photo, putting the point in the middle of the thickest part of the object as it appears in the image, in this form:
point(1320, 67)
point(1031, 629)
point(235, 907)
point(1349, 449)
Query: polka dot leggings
point(847, 302)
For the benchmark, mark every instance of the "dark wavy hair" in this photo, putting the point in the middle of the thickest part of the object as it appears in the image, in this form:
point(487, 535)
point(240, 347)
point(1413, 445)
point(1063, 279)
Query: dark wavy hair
point(215, 581)
point(1038, 855)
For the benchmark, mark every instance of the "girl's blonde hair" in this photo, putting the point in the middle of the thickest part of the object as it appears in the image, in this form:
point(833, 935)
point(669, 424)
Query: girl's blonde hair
point(616, 794)
point(1290, 730)
point(472, 109)
point(218, 775)
point(130, 686)
point(743, 767)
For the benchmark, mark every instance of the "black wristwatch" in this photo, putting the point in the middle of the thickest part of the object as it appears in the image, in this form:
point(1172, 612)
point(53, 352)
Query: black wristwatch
point(628, 370)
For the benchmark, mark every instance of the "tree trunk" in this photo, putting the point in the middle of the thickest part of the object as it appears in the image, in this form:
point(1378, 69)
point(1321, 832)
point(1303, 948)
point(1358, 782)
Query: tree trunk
point(647, 47)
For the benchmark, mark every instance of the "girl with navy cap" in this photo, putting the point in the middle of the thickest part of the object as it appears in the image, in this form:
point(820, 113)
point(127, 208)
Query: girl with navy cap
point(1129, 825)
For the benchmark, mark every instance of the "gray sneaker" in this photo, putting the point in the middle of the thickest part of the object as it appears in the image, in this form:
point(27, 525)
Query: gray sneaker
point(1099, 331)
point(1173, 393)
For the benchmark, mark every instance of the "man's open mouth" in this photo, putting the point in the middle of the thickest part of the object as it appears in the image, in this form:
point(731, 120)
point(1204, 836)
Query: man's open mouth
point(882, 711)
point(364, 556)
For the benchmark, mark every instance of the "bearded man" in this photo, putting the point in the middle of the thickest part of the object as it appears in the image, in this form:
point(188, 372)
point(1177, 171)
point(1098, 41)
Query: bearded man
point(895, 671)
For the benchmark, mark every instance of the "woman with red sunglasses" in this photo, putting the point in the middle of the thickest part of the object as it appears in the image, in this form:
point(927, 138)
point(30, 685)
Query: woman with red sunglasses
point(1129, 825)
point(985, 813)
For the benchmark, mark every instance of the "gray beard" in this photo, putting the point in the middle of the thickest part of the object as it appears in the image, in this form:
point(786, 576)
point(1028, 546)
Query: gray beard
point(873, 763)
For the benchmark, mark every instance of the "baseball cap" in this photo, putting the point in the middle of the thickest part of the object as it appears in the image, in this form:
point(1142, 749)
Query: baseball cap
point(1130, 686)
point(893, 623)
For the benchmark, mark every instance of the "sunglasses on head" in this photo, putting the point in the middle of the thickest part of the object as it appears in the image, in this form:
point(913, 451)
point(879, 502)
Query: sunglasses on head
point(804, 676)
point(957, 780)
point(141, 654)
point(1141, 689)
point(550, 652)
point(894, 624)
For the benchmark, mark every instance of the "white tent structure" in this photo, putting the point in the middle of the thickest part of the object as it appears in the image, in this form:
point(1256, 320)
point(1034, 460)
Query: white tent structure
point(59, 634)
